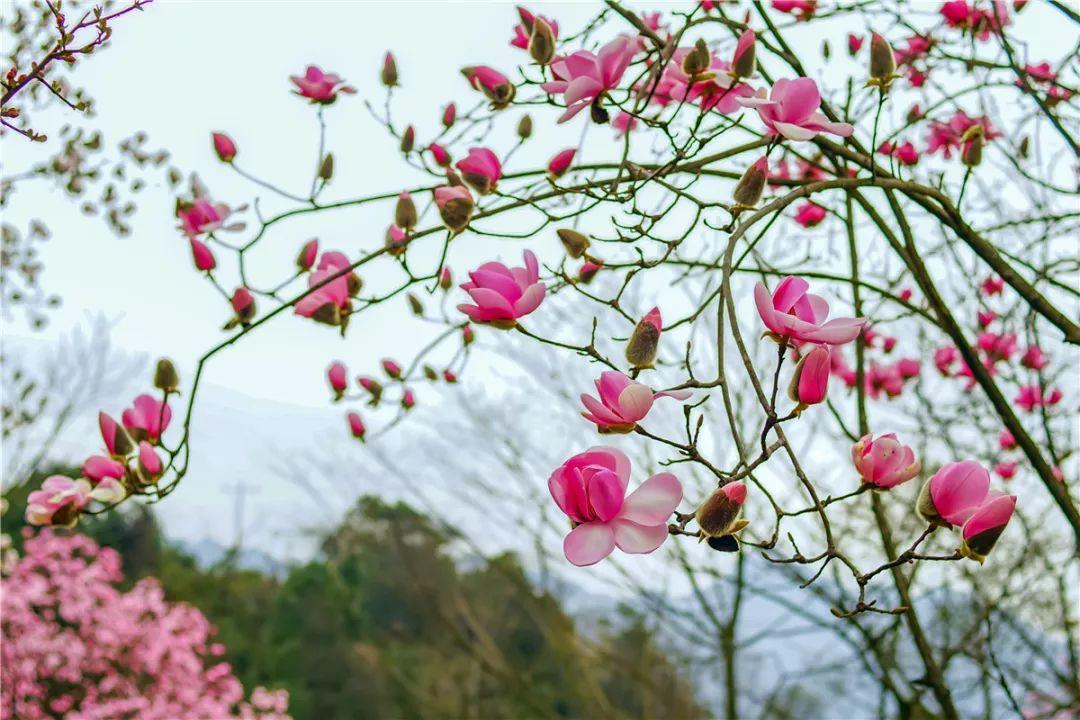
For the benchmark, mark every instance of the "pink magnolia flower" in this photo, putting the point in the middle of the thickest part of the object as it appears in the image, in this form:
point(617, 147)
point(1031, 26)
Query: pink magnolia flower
point(583, 77)
point(623, 123)
point(243, 305)
point(338, 378)
point(904, 152)
point(147, 419)
point(810, 381)
point(201, 216)
point(502, 294)
point(791, 109)
point(202, 255)
point(559, 164)
point(1006, 441)
point(884, 462)
point(496, 87)
point(948, 136)
point(481, 169)
point(980, 21)
point(854, 44)
point(985, 317)
point(803, 10)
point(719, 92)
point(992, 286)
point(98, 467)
point(224, 147)
point(794, 313)
point(330, 303)
point(957, 490)
point(945, 358)
point(440, 155)
point(1040, 73)
point(1031, 396)
point(61, 499)
point(998, 346)
point(1034, 358)
point(908, 367)
point(914, 47)
point(981, 532)
point(883, 378)
point(320, 87)
point(523, 30)
point(809, 214)
point(1006, 470)
point(591, 489)
point(622, 402)
point(306, 258)
point(356, 425)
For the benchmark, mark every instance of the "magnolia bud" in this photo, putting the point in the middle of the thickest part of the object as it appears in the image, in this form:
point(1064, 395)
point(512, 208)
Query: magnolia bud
point(408, 139)
point(117, 441)
point(750, 186)
point(405, 213)
point(446, 280)
point(224, 147)
point(972, 145)
point(326, 169)
point(449, 115)
point(415, 305)
point(575, 243)
point(389, 75)
point(467, 335)
point(588, 271)
point(150, 466)
point(356, 425)
point(882, 63)
point(408, 400)
point(430, 373)
point(306, 257)
point(643, 343)
point(165, 377)
point(697, 61)
point(391, 368)
point(810, 381)
point(745, 61)
point(524, 127)
point(1025, 147)
point(826, 50)
point(541, 42)
point(374, 388)
point(718, 516)
point(396, 240)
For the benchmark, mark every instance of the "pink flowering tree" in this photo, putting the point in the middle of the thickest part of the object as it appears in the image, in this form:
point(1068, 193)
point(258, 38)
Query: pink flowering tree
point(851, 273)
point(76, 646)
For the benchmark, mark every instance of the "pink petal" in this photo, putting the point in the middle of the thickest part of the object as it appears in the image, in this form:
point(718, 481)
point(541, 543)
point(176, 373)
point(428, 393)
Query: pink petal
point(653, 501)
point(765, 308)
point(634, 538)
point(635, 401)
point(605, 493)
point(610, 385)
point(794, 132)
point(530, 300)
point(588, 544)
point(505, 286)
point(492, 300)
point(836, 332)
point(800, 99)
point(993, 514)
point(958, 489)
point(603, 414)
point(531, 266)
point(788, 292)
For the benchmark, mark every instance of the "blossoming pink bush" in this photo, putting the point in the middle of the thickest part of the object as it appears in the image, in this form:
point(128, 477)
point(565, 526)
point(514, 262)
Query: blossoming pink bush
point(75, 646)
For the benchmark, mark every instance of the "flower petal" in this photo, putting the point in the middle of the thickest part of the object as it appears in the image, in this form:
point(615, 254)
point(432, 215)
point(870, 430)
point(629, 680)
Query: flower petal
point(588, 544)
point(653, 501)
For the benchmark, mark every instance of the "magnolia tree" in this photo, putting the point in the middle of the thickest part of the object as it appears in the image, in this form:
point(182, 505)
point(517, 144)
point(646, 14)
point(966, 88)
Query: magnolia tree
point(76, 646)
point(872, 248)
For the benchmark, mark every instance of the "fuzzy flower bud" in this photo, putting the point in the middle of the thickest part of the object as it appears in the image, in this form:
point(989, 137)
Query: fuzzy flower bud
point(644, 341)
point(541, 42)
point(750, 186)
point(576, 243)
point(389, 75)
point(405, 213)
point(224, 147)
point(165, 377)
point(882, 63)
point(718, 516)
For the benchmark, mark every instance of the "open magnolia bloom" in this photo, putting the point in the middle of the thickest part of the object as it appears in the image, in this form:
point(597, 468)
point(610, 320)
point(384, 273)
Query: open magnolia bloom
point(591, 489)
point(792, 109)
point(622, 402)
point(794, 313)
